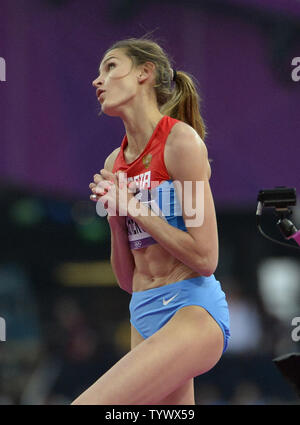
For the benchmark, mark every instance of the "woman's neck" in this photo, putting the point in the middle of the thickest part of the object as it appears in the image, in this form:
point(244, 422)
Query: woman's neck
point(139, 129)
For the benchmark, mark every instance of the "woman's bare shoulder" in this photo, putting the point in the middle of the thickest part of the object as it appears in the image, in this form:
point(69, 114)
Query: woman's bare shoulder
point(184, 137)
point(110, 160)
point(183, 130)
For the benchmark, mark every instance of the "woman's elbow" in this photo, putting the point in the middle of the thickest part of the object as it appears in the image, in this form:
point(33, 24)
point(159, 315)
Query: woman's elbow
point(207, 265)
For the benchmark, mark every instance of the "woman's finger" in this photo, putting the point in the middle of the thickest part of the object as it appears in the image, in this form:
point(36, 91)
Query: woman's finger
point(98, 178)
point(107, 175)
point(99, 191)
point(103, 186)
point(103, 183)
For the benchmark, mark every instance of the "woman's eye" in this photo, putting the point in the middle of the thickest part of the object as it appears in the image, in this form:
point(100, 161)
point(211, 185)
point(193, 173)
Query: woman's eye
point(110, 64)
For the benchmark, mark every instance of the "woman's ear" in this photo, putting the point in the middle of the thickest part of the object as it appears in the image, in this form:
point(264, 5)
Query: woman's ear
point(146, 71)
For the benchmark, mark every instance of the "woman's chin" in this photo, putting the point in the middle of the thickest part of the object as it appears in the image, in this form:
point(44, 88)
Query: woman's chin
point(109, 110)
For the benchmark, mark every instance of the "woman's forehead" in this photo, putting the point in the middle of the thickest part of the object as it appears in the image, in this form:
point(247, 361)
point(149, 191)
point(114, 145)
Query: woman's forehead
point(117, 53)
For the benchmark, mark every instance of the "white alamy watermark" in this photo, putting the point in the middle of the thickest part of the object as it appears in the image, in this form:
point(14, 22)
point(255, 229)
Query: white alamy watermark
point(162, 202)
point(2, 69)
point(2, 329)
point(296, 71)
point(296, 331)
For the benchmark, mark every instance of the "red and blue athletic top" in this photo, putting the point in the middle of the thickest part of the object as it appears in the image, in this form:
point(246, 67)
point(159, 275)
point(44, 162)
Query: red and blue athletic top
point(155, 185)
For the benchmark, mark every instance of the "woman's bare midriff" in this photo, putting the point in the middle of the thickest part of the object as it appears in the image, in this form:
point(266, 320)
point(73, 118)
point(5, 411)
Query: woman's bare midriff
point(154, 267)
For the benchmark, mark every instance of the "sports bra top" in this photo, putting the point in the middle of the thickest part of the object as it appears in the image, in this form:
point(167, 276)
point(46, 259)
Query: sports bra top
point(156, 188)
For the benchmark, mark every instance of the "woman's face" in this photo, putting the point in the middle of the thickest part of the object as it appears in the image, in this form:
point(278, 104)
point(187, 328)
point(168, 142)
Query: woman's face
point(118, 80)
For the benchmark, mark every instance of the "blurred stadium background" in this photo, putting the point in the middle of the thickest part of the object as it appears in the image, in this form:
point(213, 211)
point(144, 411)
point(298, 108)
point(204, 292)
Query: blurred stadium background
point(66, 320)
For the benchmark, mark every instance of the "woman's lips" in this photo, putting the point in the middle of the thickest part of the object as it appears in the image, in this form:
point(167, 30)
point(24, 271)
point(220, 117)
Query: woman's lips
point(99, 92)
point(101, 95)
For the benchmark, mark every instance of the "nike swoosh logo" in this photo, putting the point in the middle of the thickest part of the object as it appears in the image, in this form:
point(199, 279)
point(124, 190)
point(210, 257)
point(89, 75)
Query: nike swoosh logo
point(166, 302)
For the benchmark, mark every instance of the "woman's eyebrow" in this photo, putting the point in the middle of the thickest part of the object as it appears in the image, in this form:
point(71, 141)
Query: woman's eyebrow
point(106, 61)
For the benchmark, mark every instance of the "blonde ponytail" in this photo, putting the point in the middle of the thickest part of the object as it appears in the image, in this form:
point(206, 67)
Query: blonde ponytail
point(184, 103)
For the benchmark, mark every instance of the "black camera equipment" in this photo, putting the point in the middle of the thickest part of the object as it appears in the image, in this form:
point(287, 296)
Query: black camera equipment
point(281, 198)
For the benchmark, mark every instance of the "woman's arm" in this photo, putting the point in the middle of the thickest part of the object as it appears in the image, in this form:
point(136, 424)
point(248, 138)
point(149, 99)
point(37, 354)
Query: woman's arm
point(122, 260)
point(187, 162)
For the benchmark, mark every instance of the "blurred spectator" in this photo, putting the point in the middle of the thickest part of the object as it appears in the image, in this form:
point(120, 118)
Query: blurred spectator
point(78, 342)
point(247, 392)
point(208, 394)
point(279, 286)
point(279, 289)
point(74, 360)
point(245, 321)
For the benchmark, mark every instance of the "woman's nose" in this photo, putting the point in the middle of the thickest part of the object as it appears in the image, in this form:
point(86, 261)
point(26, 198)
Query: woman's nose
point(97, 82)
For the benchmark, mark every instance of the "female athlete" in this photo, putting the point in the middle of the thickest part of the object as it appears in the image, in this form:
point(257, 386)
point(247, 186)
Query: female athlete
point(164, 238)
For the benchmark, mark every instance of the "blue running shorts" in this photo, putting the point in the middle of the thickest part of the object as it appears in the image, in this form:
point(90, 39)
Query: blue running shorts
point(151, 309)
